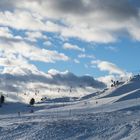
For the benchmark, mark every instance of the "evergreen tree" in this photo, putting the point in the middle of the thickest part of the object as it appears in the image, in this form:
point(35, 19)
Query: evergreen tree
point(2, 99)
point(32, 101)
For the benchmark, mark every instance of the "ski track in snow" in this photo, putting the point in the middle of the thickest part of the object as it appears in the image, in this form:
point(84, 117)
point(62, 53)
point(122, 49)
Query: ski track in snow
point(111, 115)
point(102, 126)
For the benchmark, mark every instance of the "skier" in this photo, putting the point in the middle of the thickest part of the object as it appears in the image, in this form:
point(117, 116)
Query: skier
point(19, 113)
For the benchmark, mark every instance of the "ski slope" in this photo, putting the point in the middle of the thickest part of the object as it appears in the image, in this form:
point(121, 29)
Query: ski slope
point(109, 115)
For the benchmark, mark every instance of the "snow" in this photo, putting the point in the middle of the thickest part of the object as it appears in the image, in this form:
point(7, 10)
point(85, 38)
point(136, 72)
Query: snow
point(112, 114)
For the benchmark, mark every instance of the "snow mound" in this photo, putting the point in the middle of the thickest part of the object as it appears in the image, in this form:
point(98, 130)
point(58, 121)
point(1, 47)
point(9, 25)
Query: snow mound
point(127, 91)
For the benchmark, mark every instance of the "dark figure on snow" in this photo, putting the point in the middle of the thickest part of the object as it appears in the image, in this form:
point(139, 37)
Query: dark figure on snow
point(19, 113)
point(32, 101)
point(2, 99)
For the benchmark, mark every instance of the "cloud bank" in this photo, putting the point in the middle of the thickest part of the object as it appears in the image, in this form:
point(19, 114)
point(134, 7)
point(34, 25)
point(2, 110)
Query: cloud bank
point(114, 72)
point(97, 21)
point(53, 80)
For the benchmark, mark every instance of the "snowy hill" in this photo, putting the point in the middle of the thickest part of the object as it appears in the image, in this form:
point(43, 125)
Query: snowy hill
point(112, 114)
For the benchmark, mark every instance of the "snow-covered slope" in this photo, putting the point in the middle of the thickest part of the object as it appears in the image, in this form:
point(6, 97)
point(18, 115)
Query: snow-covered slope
point(112, 114)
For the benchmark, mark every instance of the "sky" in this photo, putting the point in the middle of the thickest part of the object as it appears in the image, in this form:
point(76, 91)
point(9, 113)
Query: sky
point(82, 40)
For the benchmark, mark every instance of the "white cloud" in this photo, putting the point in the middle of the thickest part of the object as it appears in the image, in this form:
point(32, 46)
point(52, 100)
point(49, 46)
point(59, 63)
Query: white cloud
point(53, 27)
point(21, 20)
point(55, 72)
point(112, 68)
point(108, 66)
point(5, 32)
point(33, 36)
point(134, 28)
point(111, 48)
point(88, 34)
point(69, 46)
point(86, 56)
point(115, 73)
point(47, 43)
point(23, 69)
point(16, 64)
point(32, 52)
point(97, 21)
point(76, 61)
point(25, 20)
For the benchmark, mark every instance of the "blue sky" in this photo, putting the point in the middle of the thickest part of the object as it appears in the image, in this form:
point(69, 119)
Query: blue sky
point(124, 53)
point(85, 37)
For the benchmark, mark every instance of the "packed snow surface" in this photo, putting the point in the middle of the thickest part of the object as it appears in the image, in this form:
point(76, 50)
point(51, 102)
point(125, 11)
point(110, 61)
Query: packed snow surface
point(113, 114)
